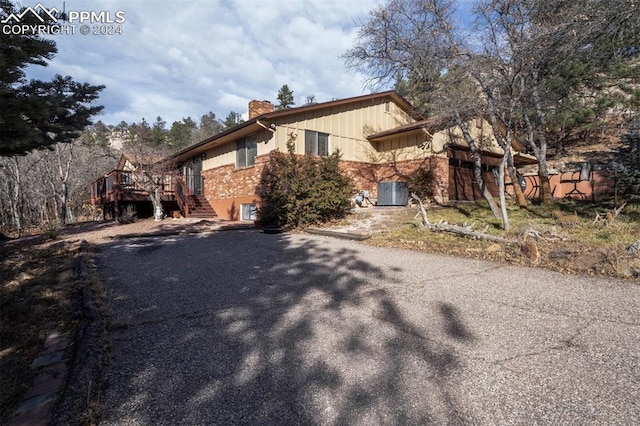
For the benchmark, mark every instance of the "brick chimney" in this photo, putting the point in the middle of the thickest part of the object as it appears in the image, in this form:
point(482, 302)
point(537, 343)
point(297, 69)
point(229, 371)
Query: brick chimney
point(257, 108)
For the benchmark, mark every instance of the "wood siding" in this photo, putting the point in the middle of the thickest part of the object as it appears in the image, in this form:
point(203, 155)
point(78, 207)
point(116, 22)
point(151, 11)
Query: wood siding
point(347, 125)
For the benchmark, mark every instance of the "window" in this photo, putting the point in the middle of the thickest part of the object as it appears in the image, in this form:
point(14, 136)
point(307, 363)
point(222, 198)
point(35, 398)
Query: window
point(316, 143)
point(246, 151)
point(247, 211)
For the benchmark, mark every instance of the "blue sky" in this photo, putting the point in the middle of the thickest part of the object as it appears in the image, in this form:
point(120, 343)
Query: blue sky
point(176, 58)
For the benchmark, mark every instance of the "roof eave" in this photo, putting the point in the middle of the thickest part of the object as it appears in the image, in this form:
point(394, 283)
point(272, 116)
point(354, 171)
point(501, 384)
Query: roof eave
point(215, 140)
point(386, 136)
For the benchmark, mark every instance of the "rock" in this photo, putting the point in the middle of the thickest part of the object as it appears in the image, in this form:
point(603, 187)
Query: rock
point(590, 261)
point(530, 250)
point(634, 248)
point(560, 253)
point(494, 248)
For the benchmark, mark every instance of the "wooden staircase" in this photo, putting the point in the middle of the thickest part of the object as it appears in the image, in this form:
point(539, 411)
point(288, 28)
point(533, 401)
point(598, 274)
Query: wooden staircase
point(199, 207)
point(191, 205)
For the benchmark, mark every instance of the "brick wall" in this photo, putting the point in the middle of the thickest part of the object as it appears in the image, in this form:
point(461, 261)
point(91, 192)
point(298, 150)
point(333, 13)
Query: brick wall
point(229, 182)
point(227, 187)
point(366, 176)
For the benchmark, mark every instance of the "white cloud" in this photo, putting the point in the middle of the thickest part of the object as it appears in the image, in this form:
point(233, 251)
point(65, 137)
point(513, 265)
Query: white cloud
point(178, 59)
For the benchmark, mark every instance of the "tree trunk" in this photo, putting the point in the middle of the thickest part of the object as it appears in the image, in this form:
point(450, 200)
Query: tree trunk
point(158, 214)
point(477, 169)
point(464, 230)
point(541, 151)
point(64, 169)
point(16, 204)
point(64, 193)
point(505, 143)
point(501, 191)
point(517, 190)
point(545, 184)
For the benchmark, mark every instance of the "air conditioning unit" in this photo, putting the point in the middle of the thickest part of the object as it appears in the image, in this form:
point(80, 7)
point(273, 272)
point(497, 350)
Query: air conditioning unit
point(393, 194)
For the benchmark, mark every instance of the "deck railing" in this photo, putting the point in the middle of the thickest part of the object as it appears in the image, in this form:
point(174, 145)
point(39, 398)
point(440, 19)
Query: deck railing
point(118, 184)
point(113, 184)
point(182, 194)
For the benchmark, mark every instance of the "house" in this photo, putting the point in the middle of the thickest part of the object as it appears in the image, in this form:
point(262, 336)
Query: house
point(129, 184)
point(438, 144)
point(117, 189)
point(379, 136)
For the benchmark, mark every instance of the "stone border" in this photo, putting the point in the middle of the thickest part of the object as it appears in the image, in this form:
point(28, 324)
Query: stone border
point(51, 372)
point(338, 234)
point(67, 366)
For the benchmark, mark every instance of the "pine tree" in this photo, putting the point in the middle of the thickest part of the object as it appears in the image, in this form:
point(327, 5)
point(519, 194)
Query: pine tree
point(232, 120)
point(625, 171)
point(285, 98)
point(37, 114)
point(181, 133)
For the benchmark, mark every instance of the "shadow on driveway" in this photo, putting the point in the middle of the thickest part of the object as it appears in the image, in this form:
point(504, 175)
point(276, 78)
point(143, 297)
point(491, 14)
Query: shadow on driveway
point(246, 328)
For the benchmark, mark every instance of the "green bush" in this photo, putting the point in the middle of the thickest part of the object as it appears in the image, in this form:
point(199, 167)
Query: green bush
point(297, 191)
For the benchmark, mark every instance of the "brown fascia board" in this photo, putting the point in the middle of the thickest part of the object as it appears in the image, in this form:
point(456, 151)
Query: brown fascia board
point(436, 124)
point(392, 94)
point(431, 125)
point(519, 158)
point(407, 129)
point(122, 161)
point(209, 143)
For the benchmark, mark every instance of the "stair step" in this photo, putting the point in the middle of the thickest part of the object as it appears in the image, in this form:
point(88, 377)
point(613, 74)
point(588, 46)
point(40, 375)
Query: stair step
point(199, 207)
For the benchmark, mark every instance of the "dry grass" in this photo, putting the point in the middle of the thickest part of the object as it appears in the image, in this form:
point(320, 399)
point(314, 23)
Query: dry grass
point(38, 295)
point(577, 246)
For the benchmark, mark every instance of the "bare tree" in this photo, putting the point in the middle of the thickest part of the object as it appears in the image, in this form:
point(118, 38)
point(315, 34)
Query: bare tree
point(559, 65)
point(417, 40)
point(51, 185)
point(12, 192)
point(405, 44)
point(63, 156)
point(149, 172)
point(545, 68)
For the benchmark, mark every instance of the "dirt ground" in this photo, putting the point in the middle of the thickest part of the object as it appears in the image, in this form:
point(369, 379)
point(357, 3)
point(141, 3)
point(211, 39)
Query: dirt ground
point(393, 227)
point(101, 232)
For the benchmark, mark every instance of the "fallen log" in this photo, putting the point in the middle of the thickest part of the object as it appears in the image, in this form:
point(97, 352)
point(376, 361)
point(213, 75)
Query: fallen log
point(610, 216)
point(464, 230)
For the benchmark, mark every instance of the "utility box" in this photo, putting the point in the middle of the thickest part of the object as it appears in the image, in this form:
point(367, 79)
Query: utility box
point(393, 194)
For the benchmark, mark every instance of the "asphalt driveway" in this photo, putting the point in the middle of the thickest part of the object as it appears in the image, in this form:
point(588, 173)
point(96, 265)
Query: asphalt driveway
point(241, 327)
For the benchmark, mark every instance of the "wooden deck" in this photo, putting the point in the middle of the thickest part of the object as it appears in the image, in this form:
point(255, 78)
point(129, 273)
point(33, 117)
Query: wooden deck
point(118, 189)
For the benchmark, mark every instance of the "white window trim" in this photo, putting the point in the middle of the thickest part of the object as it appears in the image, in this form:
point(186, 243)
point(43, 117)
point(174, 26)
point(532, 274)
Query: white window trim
point(252, 216)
